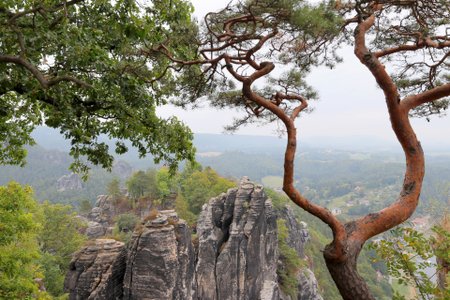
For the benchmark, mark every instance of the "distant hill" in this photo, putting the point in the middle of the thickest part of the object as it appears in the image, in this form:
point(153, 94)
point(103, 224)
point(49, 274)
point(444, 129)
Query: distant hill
point(50, 138)
point(324, 173)
point(45, 167)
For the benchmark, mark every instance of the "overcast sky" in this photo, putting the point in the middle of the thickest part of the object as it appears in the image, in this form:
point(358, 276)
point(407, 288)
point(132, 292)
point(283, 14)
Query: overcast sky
point(350, 105)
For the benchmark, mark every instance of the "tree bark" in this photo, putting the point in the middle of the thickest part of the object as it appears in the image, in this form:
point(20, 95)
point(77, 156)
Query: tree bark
point(342, 254)
point(345, 274)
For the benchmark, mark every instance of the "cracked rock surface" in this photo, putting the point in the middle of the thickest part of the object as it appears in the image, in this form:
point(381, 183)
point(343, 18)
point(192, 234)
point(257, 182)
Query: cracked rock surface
point(236, 255)
point(160, 262)
point(96, 272)
point(237, 250)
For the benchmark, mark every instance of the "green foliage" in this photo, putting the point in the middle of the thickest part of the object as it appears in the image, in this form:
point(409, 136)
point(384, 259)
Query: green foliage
point(137, 184)
point(198, 186)
point(14, 134)
point(278, 200)
point(37, 242)
point(58, 239)
point(85, 207)
point(143, 184)
point(426, 69)
point(408, 253)
point(316, 20)
point(290, 262)
point(125, 224)
point(183, 210)
point(441, 250)
point(89, 68)
point(54, 274)
point(17, 207)
point(45, 167)
point(192, 187)
point(18, 244)
point(113, 189)
point(310, 25)
point(165, 183)
point(60, 230)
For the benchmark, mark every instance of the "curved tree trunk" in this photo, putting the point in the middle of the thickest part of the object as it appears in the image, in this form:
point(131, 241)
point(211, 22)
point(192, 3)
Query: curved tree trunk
point(350, 284)
point(342, 254)
point(345, 274)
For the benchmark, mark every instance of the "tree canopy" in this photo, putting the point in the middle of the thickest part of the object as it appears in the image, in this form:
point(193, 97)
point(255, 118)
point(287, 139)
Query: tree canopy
point(412, 38)
point(36, 244)
point(403, 45)
point(19, 249)
point(59, 238)
point(89, 68)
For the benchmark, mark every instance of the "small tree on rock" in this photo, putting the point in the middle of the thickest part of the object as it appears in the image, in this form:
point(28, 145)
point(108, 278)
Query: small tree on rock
point(113, 189)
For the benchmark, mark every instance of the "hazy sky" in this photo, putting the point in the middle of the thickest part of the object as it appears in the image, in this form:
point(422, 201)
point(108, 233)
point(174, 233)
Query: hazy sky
point(350, 105)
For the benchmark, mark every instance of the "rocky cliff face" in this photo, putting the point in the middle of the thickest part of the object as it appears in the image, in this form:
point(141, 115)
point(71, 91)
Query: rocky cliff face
point(298, 232)
point(298, 237)
point(122, 169)
point(236, 255)
point(237, 252)
point(97, 271)
point(101, 217)
point(69, 182)
point(160, 262)
point(307, 286)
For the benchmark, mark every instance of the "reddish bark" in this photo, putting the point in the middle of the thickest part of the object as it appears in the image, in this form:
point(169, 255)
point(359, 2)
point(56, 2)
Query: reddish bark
point(359, 231)
point(348, 239)
point(350, 284)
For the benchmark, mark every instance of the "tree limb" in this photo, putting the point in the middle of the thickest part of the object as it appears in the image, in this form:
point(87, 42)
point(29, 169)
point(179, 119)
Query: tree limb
point(375, 223)
point(38, 74)
point(426, 43)
point(436, 93)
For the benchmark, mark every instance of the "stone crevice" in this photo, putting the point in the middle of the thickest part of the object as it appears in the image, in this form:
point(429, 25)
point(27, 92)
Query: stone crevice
point(131, 259)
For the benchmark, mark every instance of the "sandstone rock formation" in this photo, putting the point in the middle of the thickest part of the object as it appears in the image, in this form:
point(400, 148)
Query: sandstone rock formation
point(69, 182)
point(298, 234)
point(307, 286)
point(104, 210)
point(160, 262)
point(237, 251)
point(96, 272)
point(122, 169)
point(101, 217)
point(236, 255)
point(95, 230)
point(297, 239)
